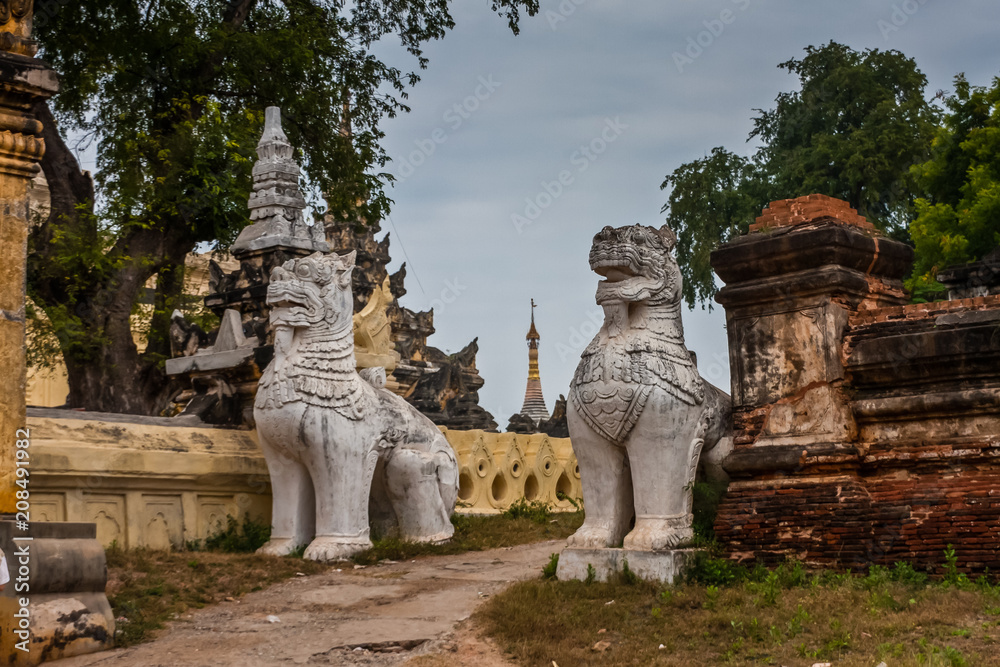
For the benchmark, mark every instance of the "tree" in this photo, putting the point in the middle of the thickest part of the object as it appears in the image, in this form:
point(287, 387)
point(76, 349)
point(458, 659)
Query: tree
point(958, 218)
point(713, 198)
point(173, 92)
point(853, 130)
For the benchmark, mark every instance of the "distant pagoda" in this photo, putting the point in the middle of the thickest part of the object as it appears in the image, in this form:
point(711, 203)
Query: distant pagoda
point(534, 403)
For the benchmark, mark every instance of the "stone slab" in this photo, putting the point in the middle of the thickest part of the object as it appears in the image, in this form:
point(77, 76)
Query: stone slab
point(274, 241)
point(665, 566)
point(208, 362)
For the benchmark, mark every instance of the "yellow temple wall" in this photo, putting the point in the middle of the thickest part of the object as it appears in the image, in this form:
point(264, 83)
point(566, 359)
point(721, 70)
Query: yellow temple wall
point(149, 483)
point(497, 469)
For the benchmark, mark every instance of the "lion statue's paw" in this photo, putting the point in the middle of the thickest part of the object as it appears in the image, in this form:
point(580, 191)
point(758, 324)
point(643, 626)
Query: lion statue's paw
point(441, 538)
point(281, 546)
point(330, 549)
point(658, 535)
point(591, 536)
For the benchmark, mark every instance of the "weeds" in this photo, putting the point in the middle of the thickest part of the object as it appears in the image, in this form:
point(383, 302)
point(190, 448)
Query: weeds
point(711, 597)
point(234, 538)
point(549, 571)
point(952, 576)
point(706, 498)
point(536, 510)
point(628, 577)
point(577, 504)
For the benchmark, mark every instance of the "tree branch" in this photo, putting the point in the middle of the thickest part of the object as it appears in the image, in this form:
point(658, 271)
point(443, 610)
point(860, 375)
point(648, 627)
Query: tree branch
point(69, 186)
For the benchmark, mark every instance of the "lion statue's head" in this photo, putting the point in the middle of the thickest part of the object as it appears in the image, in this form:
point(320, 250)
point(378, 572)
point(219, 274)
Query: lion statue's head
point(313, 291)
point(637, 265)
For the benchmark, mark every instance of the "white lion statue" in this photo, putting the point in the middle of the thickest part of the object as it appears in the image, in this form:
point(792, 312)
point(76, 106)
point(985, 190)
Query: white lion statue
point(639, 414)
point(336, 441)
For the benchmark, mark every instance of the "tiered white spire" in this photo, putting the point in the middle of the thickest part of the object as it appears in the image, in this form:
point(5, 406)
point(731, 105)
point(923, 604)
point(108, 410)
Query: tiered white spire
point(276, 202)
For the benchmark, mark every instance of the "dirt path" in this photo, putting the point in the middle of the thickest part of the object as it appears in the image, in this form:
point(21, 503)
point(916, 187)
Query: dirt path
point(408, 613)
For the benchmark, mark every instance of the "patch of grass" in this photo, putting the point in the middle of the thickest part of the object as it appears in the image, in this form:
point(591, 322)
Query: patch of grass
point(732, 615)
point(536, 510)
point(148, 588)
point(477, 533)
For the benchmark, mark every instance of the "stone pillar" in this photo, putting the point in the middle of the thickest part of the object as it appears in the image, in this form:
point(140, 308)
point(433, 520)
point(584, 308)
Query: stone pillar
point(792, 285)
point(23, 80)
point(55, 605)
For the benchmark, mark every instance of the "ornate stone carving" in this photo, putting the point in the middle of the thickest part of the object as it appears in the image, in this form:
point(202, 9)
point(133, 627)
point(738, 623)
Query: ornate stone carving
point(335, 441)
point(15, 27)
point(372, 334)
point(444, 387)
point(639, 413)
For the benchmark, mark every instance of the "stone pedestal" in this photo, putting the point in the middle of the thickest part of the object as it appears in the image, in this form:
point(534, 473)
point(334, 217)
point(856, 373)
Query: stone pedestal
point(666, 566)
point(59, 571)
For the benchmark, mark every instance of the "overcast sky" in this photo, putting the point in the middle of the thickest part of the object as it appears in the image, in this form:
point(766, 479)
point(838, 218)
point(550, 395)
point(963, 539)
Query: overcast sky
point(623, 79)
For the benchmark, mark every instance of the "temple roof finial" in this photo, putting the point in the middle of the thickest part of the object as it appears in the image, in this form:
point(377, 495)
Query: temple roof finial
point(532, 332)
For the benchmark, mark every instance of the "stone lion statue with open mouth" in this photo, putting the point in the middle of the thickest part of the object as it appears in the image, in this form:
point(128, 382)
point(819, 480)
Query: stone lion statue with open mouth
point(639, 414)
point(337, 443)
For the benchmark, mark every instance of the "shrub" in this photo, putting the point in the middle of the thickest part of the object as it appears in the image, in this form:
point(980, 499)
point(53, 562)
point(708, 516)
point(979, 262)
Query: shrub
point(236, 538)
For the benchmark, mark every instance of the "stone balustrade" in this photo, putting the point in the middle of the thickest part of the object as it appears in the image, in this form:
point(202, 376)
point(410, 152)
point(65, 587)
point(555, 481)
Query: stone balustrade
point(497, 469)
point(156, 483)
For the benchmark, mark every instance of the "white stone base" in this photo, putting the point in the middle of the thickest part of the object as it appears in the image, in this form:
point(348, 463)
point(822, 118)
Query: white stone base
point(665, 566)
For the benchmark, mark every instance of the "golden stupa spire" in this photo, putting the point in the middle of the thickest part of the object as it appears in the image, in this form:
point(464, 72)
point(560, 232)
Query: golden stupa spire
point(534, 402)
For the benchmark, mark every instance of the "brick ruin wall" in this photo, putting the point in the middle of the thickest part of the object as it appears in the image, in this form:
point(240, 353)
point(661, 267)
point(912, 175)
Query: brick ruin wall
point(867, 430)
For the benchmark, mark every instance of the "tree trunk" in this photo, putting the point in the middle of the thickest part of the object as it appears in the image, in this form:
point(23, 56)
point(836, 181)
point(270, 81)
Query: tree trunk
point(106, 372)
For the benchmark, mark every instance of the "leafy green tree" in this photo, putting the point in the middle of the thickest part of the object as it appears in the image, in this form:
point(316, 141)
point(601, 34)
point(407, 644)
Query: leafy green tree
point(173, 92)
point(712, 200)
point(958, 218)
point(853, 130)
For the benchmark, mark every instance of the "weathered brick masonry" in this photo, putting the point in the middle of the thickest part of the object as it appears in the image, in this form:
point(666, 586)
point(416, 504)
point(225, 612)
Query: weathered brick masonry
point(866, 430)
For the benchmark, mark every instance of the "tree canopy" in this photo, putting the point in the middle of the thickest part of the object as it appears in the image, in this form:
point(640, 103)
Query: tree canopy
point(173, 93)
point(958, 214)
point(854, 129)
